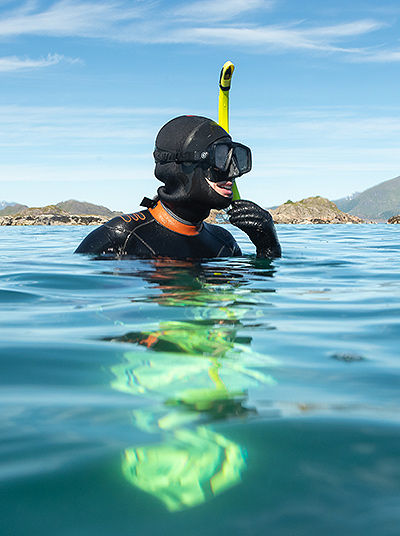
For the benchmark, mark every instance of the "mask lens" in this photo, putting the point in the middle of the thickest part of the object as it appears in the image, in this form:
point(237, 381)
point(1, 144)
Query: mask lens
point(221, 156)
point(242, 158)
point(232, 158)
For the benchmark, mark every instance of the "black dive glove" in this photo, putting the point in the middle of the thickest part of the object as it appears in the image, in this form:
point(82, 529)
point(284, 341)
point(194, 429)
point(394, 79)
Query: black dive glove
point(258, 225)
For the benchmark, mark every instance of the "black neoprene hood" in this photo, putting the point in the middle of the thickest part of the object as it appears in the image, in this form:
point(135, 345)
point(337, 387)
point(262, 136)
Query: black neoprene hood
point(185, 187)
point(189, 133)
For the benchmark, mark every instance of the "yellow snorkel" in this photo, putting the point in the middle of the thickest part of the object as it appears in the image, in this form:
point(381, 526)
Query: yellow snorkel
point(225, 79)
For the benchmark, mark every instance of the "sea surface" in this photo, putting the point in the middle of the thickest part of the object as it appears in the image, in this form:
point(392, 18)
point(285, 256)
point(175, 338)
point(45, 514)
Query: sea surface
point(232, 396)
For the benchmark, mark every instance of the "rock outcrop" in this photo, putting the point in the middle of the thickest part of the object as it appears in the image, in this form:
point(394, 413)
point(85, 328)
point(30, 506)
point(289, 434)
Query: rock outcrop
point(51, 215)
point(311, 210)
point(217, 216)
point(394, 219)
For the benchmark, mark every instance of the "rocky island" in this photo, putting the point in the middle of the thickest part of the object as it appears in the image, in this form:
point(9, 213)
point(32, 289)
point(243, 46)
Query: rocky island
point(311, 210)
point(65, 213)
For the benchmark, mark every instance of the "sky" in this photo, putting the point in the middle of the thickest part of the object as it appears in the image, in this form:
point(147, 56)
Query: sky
point(86, 85)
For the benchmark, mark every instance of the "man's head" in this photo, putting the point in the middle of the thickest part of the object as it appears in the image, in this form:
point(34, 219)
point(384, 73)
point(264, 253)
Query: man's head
point(198, 162)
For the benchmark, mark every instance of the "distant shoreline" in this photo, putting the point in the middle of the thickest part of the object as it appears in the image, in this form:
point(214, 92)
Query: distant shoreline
point(52, 219)
point(309, 211)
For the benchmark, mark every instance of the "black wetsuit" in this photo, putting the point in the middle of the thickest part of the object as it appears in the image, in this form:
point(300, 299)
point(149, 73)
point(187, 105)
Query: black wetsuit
point(155, 233)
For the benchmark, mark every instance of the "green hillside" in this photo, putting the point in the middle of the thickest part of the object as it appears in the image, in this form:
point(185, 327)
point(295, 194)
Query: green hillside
point(70, 207)
point(9, 210)
point(377, 203)
point(82, 207)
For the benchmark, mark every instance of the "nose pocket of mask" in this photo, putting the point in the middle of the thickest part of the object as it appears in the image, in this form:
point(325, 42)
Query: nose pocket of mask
point(233, 169)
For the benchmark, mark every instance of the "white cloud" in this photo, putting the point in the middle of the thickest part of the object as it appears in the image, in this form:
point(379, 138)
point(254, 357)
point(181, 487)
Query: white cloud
point(330, 129)
point(213, 11)
point(350, 29)
point(68, 18)
point(95, 171)
point(116, 21)
point(200, 22)
point(281, 37)
point(13, 63)
point(81, 122)
point(267, 36)
point(378, 56)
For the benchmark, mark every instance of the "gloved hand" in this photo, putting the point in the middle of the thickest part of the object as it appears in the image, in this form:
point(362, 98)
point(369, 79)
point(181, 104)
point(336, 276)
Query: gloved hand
point(258, 225)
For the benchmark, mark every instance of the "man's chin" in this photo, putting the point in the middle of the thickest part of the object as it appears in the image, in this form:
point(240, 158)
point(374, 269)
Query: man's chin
point(222, 202)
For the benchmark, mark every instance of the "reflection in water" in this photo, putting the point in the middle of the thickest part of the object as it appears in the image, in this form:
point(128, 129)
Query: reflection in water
point(186, 470)
point(200, 371)
point(197, 337)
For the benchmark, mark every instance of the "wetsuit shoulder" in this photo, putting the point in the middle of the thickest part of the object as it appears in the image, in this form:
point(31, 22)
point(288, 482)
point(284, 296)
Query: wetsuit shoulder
point(231, 247)
point(140, 235)
point(110, 237)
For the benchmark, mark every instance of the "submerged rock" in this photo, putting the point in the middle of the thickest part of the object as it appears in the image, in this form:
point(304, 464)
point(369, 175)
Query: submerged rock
point(312, 210)
point(348, 357)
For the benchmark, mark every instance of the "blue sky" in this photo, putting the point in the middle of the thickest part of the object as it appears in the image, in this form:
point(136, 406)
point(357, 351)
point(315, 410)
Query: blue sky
point(86, 85)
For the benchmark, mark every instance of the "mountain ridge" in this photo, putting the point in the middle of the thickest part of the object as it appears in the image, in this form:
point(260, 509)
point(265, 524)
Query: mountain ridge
point(380, 202)
point(12, 208)
point(71, 207)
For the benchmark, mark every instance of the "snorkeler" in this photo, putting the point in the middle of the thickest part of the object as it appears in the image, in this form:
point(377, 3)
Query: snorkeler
point(198, 163)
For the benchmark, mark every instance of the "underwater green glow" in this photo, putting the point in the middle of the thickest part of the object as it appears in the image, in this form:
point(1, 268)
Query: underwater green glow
point(198, 368)
point(187, 469)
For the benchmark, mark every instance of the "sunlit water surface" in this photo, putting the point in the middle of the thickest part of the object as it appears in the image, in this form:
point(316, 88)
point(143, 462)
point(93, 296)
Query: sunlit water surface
point(233, 396)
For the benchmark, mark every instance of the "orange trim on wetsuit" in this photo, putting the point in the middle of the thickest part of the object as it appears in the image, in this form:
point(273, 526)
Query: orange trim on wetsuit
point(164, 218)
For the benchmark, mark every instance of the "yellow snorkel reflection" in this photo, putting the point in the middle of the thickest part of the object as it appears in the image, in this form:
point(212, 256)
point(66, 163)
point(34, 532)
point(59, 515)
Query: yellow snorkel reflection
point(189, 373)
point(200, 375)
point(185, 471)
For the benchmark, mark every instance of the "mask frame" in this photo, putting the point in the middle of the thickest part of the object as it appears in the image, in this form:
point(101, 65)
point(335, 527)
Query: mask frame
point(225, 157)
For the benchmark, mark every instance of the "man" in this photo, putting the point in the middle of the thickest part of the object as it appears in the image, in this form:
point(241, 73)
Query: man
point(198, 163)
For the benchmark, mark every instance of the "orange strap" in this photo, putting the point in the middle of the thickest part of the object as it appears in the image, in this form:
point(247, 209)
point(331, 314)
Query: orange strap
point(164, 218)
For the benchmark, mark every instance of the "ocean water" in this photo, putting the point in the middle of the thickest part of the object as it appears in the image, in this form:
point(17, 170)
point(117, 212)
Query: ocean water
point(233, 396)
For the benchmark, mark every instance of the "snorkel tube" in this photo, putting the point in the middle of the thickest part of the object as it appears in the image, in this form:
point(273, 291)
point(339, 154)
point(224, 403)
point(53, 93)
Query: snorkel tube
point(223, 107)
